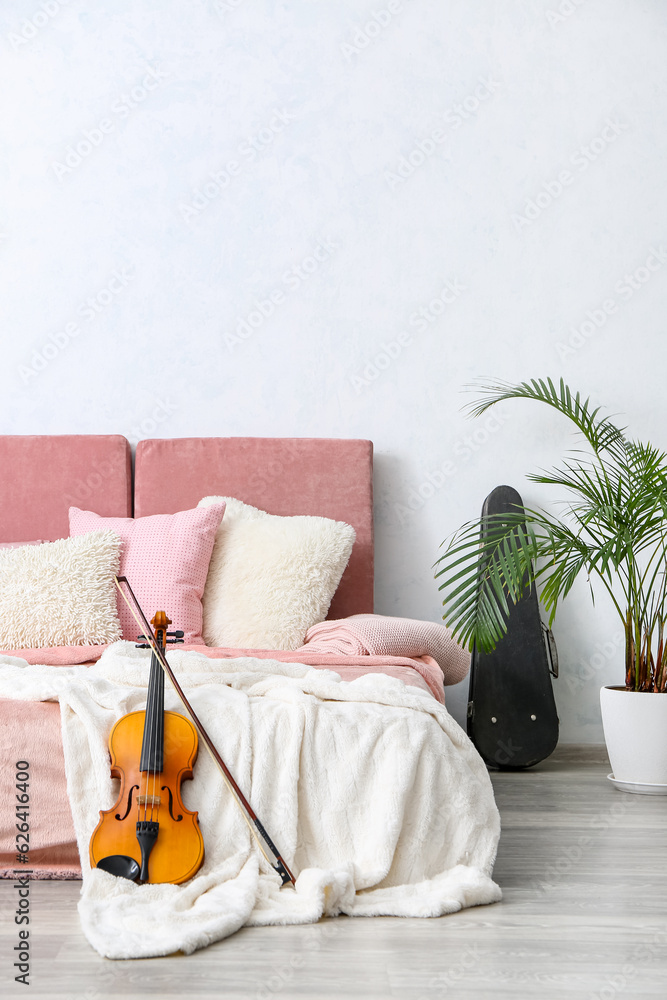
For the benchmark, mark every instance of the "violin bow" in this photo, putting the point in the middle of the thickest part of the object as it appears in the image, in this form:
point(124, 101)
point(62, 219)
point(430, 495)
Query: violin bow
point(254, 825)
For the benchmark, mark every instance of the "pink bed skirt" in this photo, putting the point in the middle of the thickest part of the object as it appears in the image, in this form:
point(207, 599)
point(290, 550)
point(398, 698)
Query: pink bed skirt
point(30, 731)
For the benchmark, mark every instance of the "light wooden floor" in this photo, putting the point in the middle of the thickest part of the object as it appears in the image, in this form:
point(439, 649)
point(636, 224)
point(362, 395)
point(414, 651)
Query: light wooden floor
point(583, 869)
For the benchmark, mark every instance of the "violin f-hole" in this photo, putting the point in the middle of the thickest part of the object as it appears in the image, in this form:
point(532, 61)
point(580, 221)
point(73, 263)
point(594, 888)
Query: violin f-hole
point(129, 804)
point(176, 819)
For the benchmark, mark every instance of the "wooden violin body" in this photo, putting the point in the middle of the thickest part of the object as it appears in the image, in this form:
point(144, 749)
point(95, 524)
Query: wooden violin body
point(178, 851)
point(149, 835)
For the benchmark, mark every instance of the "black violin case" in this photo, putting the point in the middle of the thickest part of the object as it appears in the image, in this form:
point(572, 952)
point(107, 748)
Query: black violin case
point(512, 718)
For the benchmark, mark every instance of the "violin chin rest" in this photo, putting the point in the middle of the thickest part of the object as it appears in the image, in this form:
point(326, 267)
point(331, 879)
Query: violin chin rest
point(120, 865)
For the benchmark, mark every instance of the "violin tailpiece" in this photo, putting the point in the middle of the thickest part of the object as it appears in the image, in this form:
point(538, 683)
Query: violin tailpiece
point(146, 835)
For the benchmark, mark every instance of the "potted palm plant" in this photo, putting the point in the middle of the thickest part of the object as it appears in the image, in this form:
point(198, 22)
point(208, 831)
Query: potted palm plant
point(613, 528)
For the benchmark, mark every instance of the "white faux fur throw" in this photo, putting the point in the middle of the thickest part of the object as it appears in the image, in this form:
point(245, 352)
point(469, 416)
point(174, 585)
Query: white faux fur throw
point(373, 794)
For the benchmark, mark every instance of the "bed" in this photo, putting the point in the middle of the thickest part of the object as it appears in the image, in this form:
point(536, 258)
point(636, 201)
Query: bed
point(377, 797)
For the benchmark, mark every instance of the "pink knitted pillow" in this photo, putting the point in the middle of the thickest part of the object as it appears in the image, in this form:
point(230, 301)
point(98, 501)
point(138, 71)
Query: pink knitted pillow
point(165, 557)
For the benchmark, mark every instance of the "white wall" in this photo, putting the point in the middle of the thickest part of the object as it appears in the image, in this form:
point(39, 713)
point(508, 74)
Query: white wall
point(308, 114)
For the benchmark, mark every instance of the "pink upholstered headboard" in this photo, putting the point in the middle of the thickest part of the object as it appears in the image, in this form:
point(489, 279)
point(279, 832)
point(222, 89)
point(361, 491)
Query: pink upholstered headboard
point(41, 476)
point(328, 477)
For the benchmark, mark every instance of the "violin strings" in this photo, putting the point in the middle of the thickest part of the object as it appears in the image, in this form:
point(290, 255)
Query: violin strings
point(151, 641)
point(147, 773)
point(159, 737)
point(152, 759)
point(149, 777)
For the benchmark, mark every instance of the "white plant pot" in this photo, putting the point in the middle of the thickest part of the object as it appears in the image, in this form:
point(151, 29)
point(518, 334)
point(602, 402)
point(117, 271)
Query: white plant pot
point(635, 731)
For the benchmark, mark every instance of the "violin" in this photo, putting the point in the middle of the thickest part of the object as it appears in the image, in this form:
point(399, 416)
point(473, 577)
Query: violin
point(149, 835)
point(151, 754)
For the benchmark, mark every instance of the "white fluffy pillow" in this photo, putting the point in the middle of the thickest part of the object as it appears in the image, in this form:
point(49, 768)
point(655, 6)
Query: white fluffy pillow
point(270, 577)
point(60, 593)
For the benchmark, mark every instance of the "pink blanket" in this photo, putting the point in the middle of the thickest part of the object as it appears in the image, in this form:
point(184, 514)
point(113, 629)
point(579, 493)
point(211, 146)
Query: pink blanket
point(58, 656)
point(378, 635)
point(349, 664)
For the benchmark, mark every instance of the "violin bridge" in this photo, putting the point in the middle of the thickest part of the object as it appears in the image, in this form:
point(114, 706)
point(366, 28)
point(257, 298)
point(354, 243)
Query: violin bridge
point(148, 800)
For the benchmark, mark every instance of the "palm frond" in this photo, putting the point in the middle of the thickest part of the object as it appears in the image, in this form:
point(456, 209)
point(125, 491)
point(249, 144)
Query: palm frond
point(484, 566)
point(601, 433)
